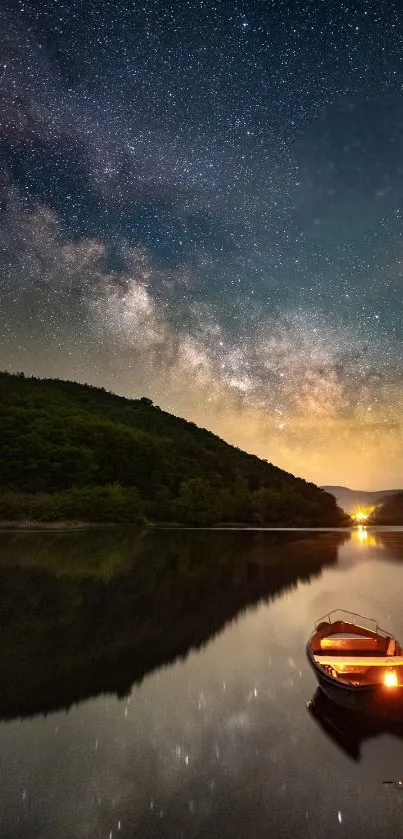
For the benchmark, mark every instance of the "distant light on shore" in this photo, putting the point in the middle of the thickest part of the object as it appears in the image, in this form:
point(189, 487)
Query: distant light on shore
point(360, 516)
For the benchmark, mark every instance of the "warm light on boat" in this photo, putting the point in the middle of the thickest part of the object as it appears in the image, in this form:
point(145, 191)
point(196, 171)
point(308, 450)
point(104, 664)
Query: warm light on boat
point(390, 679)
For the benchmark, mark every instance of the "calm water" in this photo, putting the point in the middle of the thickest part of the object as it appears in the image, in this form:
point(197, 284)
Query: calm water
point(157, 686)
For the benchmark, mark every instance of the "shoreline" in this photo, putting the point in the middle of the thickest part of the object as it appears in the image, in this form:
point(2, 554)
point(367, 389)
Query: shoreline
point(28, 525)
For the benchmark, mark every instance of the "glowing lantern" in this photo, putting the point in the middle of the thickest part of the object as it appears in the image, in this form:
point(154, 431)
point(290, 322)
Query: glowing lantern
point(390, 679)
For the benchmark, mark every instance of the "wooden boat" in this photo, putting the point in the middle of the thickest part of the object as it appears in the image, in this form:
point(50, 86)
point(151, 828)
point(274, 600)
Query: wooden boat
point(357, 664)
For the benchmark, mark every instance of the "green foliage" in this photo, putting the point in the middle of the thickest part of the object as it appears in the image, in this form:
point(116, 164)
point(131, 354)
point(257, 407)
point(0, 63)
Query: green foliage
point(97, 504)
point(196, 503)
point(74, 451)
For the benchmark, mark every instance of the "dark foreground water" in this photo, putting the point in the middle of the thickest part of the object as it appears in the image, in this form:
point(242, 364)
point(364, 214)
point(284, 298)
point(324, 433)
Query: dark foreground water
point(157, 686)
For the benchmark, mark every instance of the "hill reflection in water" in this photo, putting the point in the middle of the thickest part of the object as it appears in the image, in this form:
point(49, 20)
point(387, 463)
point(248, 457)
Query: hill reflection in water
point(90, 613)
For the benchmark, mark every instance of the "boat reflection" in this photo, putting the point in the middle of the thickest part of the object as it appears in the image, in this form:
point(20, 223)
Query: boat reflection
point(349, 729)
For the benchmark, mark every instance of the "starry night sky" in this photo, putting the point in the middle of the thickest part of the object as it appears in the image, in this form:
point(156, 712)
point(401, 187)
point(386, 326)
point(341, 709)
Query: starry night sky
point(202, 202)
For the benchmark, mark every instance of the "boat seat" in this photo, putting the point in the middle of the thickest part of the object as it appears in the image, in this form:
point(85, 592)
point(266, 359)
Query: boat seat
point(353, 642)
point(359, 661)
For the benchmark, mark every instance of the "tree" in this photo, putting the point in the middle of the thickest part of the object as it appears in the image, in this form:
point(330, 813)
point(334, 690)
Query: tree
point(196, 502)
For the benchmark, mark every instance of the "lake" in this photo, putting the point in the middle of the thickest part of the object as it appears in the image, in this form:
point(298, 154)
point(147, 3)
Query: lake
point(156, 685)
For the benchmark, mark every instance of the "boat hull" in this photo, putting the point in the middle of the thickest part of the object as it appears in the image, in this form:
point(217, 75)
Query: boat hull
point(376, 700)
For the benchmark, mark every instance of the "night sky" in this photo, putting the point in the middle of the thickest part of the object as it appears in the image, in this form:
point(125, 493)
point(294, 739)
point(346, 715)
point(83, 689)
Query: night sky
point(202, 202)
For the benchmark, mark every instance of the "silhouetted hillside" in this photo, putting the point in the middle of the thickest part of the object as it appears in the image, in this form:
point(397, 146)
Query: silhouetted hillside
point(71, 451)
point(390, 511)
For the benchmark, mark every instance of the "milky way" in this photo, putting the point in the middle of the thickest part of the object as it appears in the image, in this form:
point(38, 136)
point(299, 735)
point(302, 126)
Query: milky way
point(202, 203)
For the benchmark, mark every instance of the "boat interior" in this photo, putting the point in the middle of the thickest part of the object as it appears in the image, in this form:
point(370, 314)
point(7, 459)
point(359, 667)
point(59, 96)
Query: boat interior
point(357, 654)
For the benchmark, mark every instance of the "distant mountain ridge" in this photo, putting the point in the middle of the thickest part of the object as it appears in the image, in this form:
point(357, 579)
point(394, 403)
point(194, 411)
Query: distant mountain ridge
point(350, 499)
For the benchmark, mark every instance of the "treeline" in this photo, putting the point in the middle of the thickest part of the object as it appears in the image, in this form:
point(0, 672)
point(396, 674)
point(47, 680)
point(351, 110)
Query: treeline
point(71, 451)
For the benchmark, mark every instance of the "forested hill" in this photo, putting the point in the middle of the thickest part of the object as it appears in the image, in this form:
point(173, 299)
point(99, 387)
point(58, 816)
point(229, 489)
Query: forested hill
point(71, 451)
point(389, 512)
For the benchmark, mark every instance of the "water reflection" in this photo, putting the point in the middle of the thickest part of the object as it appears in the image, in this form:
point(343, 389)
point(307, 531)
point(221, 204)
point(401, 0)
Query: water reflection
point(219, 744)
point(84, 614)
point(361, 536)
point(366, 537)
point(348, 729)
